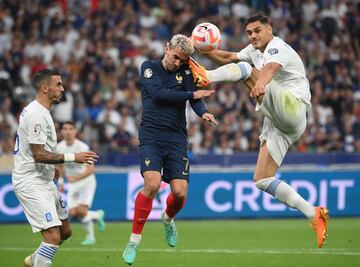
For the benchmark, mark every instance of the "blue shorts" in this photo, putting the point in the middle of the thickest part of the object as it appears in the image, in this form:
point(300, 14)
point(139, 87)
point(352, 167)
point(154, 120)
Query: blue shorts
point(171, 158)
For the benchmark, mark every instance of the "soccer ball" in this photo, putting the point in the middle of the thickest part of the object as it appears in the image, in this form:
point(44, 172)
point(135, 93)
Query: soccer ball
point(206, 37)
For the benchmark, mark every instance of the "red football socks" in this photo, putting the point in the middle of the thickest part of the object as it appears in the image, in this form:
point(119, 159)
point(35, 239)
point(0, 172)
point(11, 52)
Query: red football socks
point(173, 205)
point(143, 206)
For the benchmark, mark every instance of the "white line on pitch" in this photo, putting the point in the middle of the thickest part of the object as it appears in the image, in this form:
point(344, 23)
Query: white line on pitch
point(330, 251)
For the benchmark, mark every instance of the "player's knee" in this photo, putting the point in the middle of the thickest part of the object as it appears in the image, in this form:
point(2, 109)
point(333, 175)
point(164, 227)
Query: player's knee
point(73, 213)
point(179, 194)
point(54, 239)
point(82, 211)
point(66, 234)
point(151, 188)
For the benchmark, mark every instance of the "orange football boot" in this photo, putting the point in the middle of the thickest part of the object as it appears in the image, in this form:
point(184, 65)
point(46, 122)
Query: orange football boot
point(320, 225)
point(199, 73)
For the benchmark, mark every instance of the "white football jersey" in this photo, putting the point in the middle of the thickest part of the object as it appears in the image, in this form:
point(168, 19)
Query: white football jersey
point(36, 126)
point(72, 168)
point(291, 76)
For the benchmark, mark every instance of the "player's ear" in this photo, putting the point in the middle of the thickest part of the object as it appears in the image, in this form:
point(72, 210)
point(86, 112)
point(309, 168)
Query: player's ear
point(167, 48)
point(44, 88)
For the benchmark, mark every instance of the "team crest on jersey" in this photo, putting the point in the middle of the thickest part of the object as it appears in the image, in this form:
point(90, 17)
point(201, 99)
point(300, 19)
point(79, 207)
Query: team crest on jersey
point(37, 129)
point(148, 73)
point(147, 162)
point(273, 51)
point(179, 78)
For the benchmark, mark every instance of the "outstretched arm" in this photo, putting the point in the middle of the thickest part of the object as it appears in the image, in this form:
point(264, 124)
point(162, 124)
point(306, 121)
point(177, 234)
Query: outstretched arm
point(41, 155)
point(199, 107)
point(222, 57)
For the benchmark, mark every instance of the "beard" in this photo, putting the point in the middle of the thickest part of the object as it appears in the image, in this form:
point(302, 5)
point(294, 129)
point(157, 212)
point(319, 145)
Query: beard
point(57, 100)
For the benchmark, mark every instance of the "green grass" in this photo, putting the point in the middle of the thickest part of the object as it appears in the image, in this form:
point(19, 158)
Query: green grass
point(202, 243)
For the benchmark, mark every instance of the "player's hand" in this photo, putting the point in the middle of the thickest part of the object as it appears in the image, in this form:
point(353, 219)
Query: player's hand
point(257, 90)
point(88, 157)
point(209, 117)
point(203, 93)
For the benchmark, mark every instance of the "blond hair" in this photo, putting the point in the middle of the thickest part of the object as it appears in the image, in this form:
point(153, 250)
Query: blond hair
point(183, 42)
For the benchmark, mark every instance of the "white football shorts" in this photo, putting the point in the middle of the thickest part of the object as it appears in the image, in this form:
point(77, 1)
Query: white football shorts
point(43, 206)
point(284, 122)
point(81, 192)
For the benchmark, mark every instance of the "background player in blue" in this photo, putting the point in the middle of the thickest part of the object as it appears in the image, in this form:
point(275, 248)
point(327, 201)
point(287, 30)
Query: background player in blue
point(166, 85)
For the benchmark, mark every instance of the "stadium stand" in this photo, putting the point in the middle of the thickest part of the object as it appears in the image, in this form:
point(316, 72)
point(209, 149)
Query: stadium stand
point(98, 47)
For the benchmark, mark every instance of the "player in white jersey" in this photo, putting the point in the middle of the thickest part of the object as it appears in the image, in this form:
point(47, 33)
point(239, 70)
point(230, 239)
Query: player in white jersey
point(34, 171)
point(278, 83)
point(81, 184)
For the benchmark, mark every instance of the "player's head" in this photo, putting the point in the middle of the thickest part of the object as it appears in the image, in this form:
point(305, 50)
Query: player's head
point(49, 84)
point(68, 131)
point(177, 52)
point(259, 31)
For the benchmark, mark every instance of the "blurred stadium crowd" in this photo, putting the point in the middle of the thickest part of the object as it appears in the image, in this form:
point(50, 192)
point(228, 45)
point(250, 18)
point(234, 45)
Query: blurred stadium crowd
point(99, 45)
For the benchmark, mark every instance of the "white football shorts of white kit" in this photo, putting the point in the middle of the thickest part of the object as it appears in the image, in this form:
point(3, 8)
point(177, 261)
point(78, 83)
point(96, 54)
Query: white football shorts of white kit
point(81, 192)
point(42, 204)
point(284, 122)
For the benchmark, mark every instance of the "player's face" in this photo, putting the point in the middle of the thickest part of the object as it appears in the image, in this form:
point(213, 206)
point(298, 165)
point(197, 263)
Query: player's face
point(56, 89)
point(68, 132)
point(174, 58)
point(259, 34)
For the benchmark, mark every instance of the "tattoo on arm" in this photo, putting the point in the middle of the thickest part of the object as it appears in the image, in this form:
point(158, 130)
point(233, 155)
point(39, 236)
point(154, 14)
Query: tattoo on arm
point(41, 155)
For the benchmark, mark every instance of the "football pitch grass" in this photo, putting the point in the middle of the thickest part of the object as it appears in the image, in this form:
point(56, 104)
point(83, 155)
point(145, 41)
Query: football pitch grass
point(218, 243)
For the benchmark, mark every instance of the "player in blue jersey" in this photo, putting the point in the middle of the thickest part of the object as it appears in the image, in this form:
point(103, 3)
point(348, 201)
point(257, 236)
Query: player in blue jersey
point(166, 85)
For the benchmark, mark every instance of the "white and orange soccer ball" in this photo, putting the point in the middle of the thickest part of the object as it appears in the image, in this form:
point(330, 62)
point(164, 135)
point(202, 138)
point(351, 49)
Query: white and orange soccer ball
point(206, 37)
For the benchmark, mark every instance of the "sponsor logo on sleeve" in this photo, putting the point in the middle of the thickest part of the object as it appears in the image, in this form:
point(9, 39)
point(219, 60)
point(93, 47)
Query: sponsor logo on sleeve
point(37, 129)
point(148, 73)
point(273, 51)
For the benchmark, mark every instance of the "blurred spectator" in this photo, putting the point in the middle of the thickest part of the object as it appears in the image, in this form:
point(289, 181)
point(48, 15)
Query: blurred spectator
point(5, 82)
point(7, 118)
point(64, 111)
point(309, 9)
point(108, 120)
point(98, 48)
